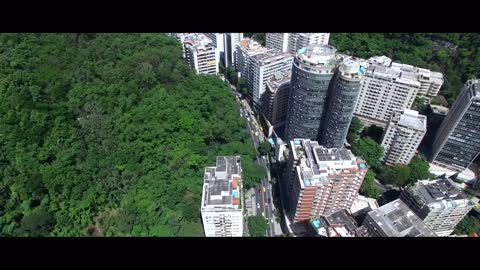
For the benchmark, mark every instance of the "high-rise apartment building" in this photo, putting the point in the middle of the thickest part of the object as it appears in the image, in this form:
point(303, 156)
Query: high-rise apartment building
point(297, 41)
point(395, 219)
point(312, 72)
point(221, 210)
point(457, 142)
point(430, 83)
point(261, 68)
point(342, 101)
point(440, 204)
point(231, 41)
point(403, 135)
point(277, 41)
point(321, 180)
point(384, 90)
point(201, 54)
point(275, 100)
point(246, 49)
point(292, 42)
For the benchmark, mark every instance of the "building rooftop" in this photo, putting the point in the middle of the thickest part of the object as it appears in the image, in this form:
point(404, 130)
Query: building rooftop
point(337, 224)
point(279, 79)
point(251, 46)
point(222, 183)
point(397, 220)
point(271, 56)
point(412, 119)
point(441, 193)
point(198, 42)
point(316, 162)
point(437, 109)
point(401, 73)
point(361, 203)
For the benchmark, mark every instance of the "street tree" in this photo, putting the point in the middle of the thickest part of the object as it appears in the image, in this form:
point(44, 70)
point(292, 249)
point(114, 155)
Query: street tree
point(370, 150)
point(369, 188)
point(264, 148)
point(257, 226)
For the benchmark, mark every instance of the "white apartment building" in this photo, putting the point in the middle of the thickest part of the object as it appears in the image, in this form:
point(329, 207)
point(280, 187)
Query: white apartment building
point(386, 89)
point(221, 202)
point(439, 203)
point(277, 41)
point(246, 49)
point(262, 67)
point(430, 83)
point(296, 41)
point(403, 135)
point(201, 54)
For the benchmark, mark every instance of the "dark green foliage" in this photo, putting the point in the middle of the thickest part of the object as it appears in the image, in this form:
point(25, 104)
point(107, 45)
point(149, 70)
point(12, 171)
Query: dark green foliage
point(398, 175)
point(419, 170)
point(355, 129)
point(252, 174)
point(367, 148)
point(264, 148)
point(257, 226)
point(373, 132)
point(108, 134)
point(368, 188)
point(456, 55)
point(468, 225)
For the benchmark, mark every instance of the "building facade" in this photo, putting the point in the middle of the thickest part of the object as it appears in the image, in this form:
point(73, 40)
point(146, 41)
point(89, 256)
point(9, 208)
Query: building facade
point(342, 101)
point(246, 49)
point(320, 180)
point(297, 41)
point(231, 41)
point(386, 89)
point(201, 54)
point(430, 83)
point(403, 135)
point(457, 142)
point(222, 214)
point(312, 72)
point(395, 219)
point(275, 100)
point(261, 68)
point(278, 41)
point(439, 203)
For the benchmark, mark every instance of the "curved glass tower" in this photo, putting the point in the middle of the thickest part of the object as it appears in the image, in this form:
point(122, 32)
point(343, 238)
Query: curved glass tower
point(312, 72)
point(342, 101)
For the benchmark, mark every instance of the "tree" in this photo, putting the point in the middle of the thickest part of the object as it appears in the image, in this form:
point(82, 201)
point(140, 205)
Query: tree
point(419, 170)
point(369, 188)
point(264, 148)
point(398, 175)
point(252, 174)
point(420, 104)
point(373, 132)
point(257, 226)
point(368, 149)
point(38, 223)
point(468, 225)
point(354, 130)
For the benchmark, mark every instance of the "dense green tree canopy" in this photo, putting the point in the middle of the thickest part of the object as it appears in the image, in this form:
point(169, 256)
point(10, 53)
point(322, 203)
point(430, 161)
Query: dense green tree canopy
point(367, 148)
point(108, 134)
point(468, 225)
point(257, 226)
point(355, 129)
point(368, 188)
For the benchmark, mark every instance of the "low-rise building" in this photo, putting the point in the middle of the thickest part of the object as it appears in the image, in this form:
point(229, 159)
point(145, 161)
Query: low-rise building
point(337, 224)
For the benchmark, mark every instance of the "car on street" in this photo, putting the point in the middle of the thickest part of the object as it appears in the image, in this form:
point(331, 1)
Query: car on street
point(268, 200)
point(264, 190)
point(258, 205)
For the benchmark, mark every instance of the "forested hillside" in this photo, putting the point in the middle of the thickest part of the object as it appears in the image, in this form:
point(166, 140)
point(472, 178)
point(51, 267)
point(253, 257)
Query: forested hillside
point(456, 55)
point(108, 134)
